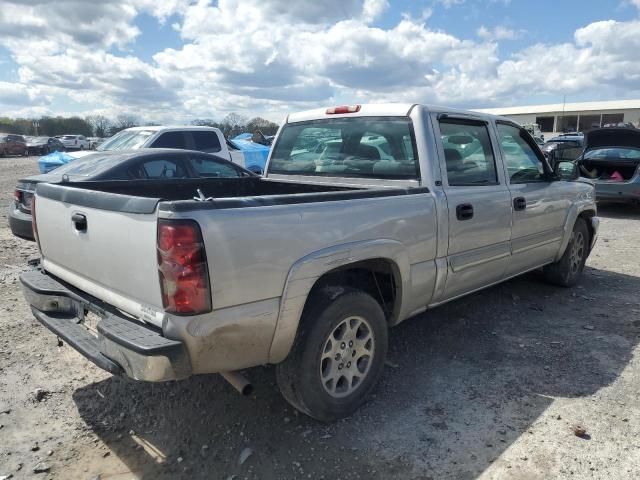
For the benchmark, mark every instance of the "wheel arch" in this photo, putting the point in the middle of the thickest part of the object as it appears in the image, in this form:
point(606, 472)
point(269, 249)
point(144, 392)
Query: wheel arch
point(586, 212)
point(347, 265)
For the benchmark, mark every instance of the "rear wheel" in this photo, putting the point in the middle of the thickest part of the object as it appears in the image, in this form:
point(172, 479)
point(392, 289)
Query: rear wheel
point(567, 271)
point(338, 355)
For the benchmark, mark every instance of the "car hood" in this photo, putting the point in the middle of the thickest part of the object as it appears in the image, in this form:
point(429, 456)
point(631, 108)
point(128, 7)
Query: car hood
point(612, 137)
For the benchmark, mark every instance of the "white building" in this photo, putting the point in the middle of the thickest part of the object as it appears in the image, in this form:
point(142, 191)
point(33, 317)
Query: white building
point(572, 117)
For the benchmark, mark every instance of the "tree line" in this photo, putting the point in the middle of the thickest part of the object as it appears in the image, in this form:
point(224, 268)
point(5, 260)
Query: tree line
point(102, 126)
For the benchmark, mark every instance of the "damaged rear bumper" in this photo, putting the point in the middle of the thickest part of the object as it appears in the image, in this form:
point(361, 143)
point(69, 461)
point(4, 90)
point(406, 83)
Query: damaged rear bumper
point(120, 346)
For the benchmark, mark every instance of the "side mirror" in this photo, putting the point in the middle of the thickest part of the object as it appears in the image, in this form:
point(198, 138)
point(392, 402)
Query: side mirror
point(566, 170)
point(255, 169)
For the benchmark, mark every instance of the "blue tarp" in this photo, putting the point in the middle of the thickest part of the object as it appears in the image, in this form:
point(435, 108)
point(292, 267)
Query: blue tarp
point(255, 154)
point(53, 160)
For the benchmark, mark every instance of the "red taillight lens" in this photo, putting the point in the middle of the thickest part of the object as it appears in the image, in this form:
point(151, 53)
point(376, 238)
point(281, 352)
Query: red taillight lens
point(17, 195)
point(182, 265)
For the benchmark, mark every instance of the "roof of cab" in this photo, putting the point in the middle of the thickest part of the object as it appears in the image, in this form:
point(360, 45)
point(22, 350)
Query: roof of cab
point(386, 110)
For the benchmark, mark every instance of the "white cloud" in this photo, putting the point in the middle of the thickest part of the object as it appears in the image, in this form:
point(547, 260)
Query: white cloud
point(499, 33)
point(450, 3)
point(270, 57)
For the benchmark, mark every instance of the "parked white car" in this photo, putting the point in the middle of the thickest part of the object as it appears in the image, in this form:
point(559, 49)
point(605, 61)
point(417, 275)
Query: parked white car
point(203, 139)
point(78, 142)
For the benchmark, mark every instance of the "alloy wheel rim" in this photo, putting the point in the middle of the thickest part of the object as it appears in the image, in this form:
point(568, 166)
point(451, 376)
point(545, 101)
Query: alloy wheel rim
point(347, 356)
point(577, 251)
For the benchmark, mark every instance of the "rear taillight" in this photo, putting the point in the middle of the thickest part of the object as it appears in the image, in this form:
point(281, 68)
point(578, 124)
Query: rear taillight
point(182, 266)
point(17, 196)
point(343, 109)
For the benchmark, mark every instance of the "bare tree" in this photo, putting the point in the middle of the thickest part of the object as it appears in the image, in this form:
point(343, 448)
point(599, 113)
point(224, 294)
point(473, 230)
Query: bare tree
point(233, 124)
point(124, 121)
point(100, 125)
point(265, 126)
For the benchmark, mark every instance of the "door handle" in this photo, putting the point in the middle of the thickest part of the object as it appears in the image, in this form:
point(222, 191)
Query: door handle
point(79, 222)
point(464, 211)
point(519, 203)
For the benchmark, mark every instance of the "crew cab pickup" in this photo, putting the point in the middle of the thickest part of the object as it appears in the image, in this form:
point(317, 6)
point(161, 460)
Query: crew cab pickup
point(367, 215)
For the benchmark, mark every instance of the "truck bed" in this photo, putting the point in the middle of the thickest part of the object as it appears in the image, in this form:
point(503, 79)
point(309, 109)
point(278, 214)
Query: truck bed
point(143, 196)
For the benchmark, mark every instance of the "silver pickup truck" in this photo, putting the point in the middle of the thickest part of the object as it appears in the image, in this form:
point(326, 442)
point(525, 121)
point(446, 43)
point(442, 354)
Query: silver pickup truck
point(367, 215)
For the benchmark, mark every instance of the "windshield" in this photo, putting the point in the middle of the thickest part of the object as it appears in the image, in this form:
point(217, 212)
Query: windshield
point(613, 154)
point(126, 140)
point(369, 147)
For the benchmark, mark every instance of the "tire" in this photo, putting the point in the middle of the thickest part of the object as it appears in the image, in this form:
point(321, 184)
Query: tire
point(314, 377)
point(567, 271)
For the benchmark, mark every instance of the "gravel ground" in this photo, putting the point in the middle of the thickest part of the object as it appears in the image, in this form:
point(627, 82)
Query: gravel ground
point(490, 386)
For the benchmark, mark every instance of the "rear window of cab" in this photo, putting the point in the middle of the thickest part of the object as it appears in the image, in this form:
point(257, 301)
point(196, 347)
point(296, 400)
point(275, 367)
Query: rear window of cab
point(360, 147)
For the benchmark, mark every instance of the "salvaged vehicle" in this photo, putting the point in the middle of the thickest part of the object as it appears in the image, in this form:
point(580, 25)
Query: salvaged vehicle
point(308, 266)
point(611, 158)
point(11, 144)
point(143, 164)
point(44, 145)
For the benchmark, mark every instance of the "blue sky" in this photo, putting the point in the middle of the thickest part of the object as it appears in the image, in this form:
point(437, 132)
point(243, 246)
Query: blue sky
point(175, 60)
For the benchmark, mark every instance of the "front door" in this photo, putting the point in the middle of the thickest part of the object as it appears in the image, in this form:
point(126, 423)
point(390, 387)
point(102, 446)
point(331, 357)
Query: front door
point(540, 204)
point(479, 205)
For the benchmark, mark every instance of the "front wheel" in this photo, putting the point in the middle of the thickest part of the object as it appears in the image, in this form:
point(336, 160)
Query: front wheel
point(338, 355)
point(567, 271)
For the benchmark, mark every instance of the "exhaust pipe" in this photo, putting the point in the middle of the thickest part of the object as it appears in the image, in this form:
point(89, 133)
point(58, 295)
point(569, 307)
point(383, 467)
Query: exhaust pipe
point(238, 381)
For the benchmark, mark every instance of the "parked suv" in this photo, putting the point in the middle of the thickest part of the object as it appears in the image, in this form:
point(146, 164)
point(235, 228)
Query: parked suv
point(11, 144)
point(203, 139)
point(79, 142)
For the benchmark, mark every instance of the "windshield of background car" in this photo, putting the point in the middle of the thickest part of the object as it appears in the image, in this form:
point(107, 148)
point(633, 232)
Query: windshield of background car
point(362, 147)
point(126, 140)
point(613, 154)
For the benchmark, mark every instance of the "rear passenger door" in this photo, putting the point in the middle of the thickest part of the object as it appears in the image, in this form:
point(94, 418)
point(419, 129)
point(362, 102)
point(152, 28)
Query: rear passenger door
point(175, 139)
point(540, 204)
point(479, 205)
point(206, 141)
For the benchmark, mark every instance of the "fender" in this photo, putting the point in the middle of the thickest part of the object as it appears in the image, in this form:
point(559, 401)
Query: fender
point(581, 205)
point(306, 271)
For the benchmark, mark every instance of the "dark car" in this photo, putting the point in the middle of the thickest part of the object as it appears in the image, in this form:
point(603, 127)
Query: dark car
point(611, 159)
point(562, 141)
point(11, 144)
point(145, 164)
point(44, 145)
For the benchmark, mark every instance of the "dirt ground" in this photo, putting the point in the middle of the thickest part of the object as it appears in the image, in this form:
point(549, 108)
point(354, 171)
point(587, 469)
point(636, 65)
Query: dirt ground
point(487, 387)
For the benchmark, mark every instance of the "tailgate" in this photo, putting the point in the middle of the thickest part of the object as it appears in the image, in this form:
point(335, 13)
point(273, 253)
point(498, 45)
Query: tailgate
point(103, 244)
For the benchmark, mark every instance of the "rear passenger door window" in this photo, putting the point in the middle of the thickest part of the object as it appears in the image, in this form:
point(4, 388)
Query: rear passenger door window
point(158, 169)
point(210, 167)
point(170, 140)
point(468, 153)
point(206, 141)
